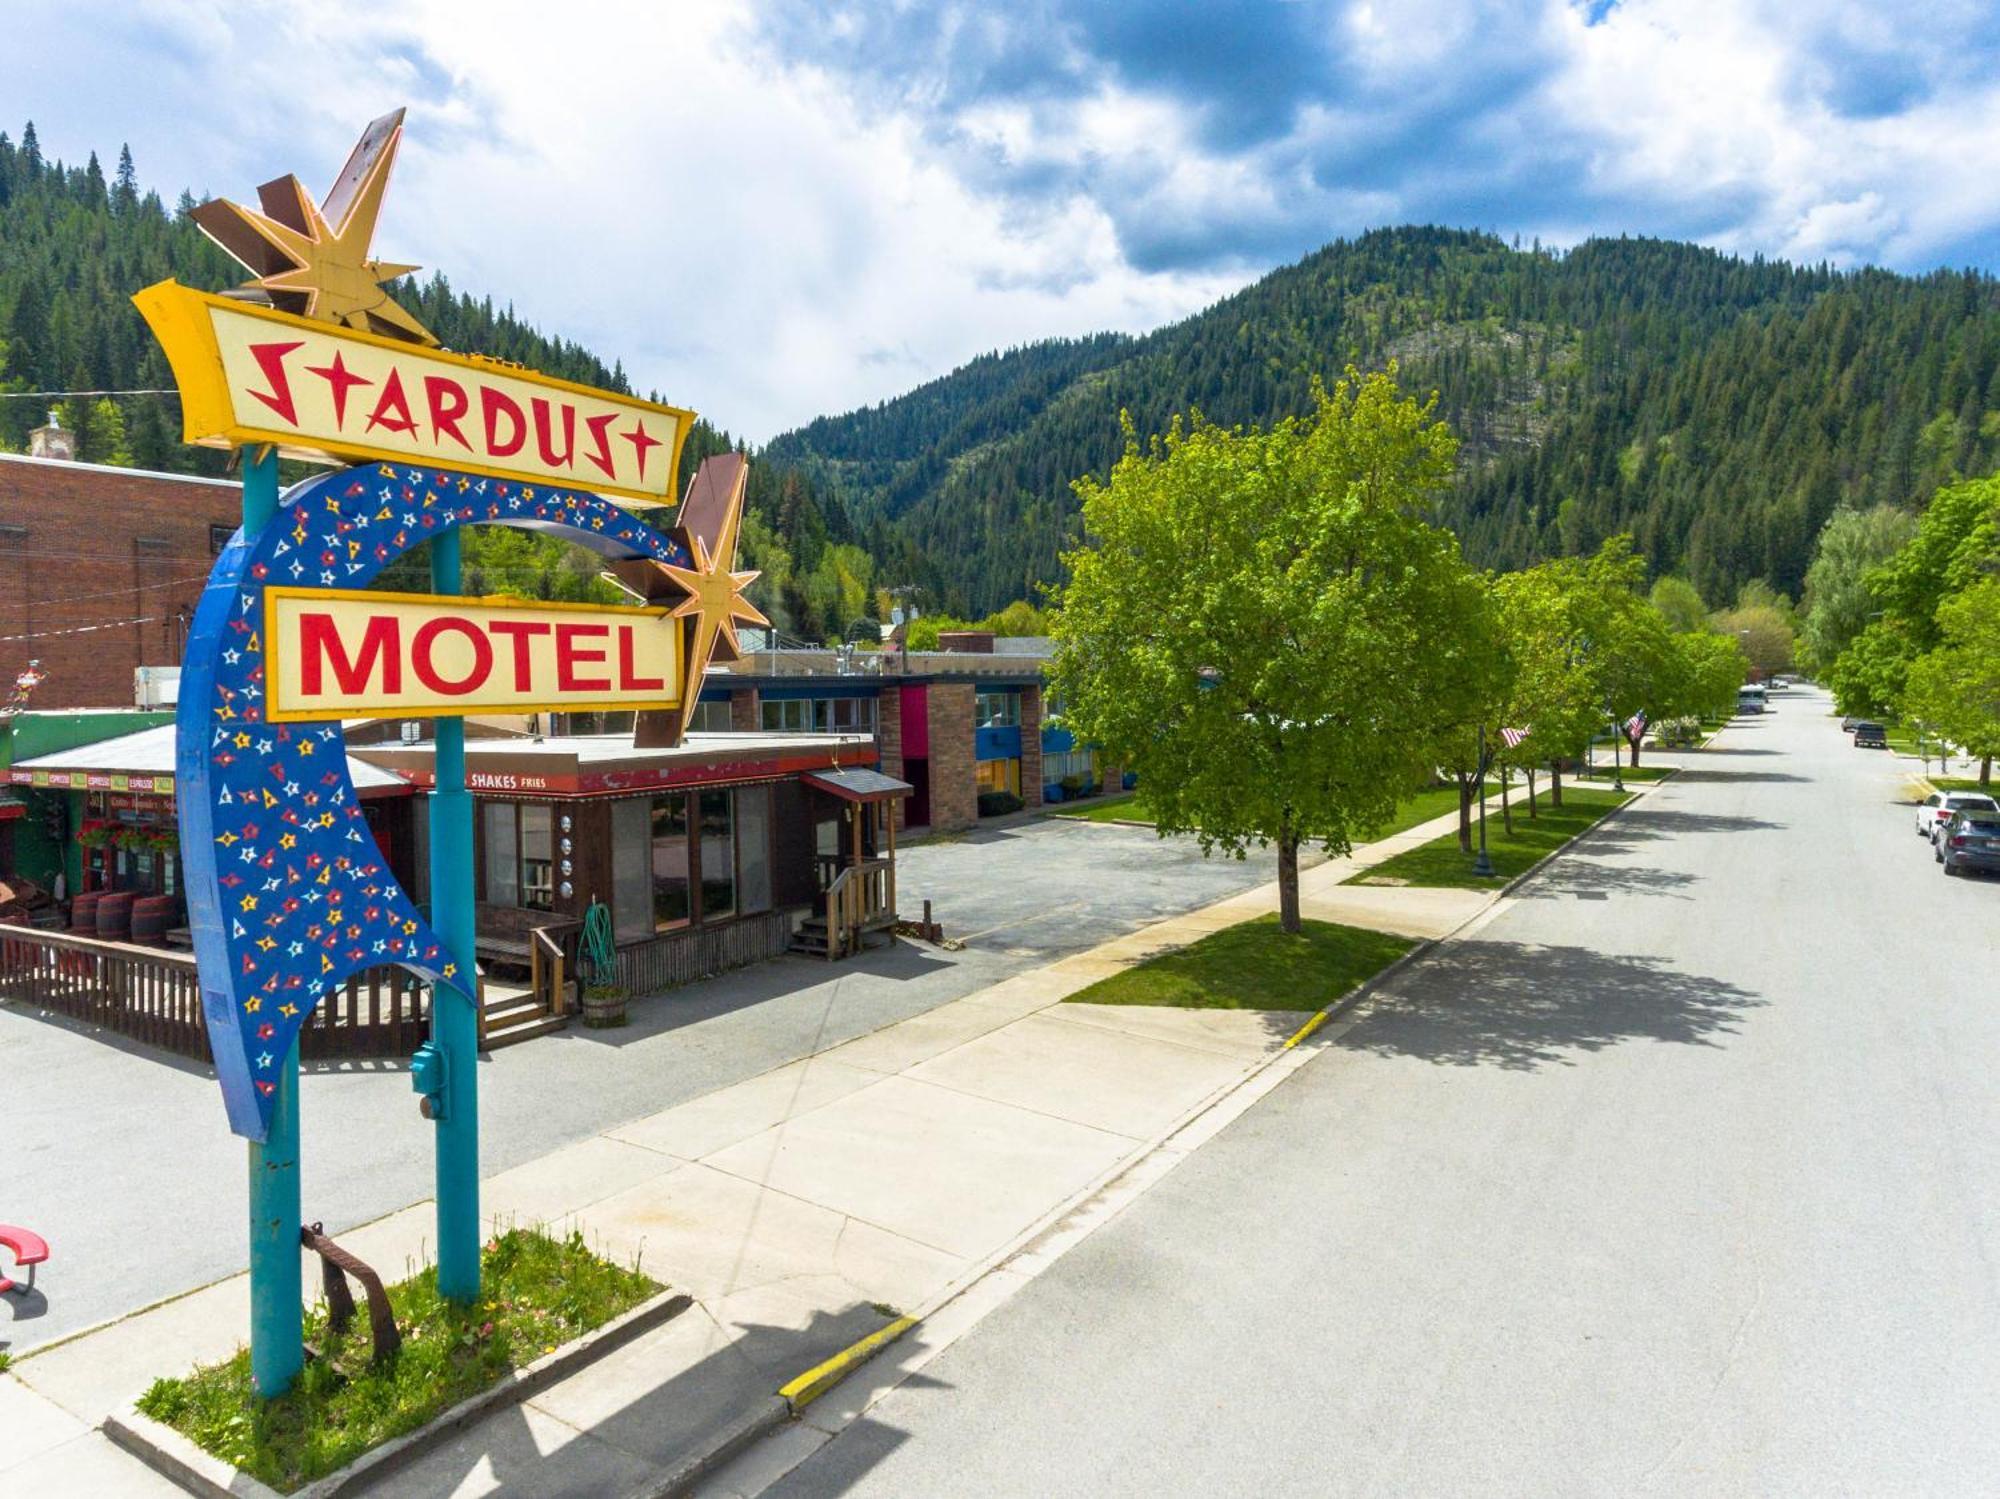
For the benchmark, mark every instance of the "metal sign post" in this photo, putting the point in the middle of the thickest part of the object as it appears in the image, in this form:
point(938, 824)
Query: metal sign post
point(277, 1337)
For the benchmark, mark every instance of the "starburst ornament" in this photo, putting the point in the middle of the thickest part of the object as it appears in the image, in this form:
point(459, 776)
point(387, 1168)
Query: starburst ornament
point(312, 258)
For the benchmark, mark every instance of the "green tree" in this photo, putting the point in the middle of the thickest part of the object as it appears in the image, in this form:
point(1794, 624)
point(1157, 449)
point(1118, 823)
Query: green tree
point(1262, 625)
point(1837, 599)
point(1955, 688)
point(1554, 697)
point(1680, 604)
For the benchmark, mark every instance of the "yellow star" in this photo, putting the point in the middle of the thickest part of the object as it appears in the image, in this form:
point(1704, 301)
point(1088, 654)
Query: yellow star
point(312, 259)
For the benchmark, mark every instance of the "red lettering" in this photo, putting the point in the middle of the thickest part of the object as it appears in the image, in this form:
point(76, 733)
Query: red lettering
point(392, 407)
point(320, 646)
point(566, 458)
point(447, 401)
point(338, 376)
point(426, 669)
point(493, 405)
point(628, 679)
point(600, 436)
point(271, 360)
point(642, 442)
point(520, 631)
point(569, 657)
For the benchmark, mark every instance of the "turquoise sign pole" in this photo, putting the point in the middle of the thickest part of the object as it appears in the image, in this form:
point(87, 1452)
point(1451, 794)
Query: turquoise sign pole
point(454, 1018)
point(277, 1330)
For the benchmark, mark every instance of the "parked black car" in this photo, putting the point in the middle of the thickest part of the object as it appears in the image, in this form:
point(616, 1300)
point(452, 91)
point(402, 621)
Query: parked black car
point(1970, 842)
point(1870, 735)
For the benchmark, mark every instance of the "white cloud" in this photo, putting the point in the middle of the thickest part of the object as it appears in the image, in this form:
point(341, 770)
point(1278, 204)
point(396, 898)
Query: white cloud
point(767, 238)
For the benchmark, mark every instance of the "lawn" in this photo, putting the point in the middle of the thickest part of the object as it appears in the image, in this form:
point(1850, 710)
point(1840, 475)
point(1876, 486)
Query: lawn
point(1960, 783)
point(536, 1293)
point(1254, 966)
point(1422, 807)
point(1440, 861)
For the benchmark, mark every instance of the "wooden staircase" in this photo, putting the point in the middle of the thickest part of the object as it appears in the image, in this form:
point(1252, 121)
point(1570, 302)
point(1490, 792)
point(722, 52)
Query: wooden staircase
point(510, 1014)
point(858, 904)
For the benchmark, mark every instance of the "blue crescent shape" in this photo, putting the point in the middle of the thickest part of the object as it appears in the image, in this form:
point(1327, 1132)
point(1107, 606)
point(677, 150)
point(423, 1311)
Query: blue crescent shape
point(288, 894)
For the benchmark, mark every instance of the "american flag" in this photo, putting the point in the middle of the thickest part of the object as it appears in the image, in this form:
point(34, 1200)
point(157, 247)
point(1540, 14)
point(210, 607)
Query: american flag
point(1513, 737)
point(1635, 727)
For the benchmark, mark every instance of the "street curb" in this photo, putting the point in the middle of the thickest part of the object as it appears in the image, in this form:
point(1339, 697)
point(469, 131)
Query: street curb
point(768, 1415)
point(816, 1381)
point(198, 1471)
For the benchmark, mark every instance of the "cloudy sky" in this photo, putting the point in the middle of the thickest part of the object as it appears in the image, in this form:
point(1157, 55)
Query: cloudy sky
point(774, 210)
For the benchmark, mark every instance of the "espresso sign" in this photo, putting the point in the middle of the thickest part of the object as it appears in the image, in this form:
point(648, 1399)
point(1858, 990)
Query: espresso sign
point(334, 654)
point(320, 391)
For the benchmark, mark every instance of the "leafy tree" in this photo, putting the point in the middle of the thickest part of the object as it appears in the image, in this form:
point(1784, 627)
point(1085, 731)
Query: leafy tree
point(1264, 628)
point(1546, 620)
point(1837, 599)
point(1869, 676)
point(1765, 632)
point(1955, 688)
point(1680, 604)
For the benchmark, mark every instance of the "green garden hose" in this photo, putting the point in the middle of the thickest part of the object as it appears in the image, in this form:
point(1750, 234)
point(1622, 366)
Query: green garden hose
point(600, 951)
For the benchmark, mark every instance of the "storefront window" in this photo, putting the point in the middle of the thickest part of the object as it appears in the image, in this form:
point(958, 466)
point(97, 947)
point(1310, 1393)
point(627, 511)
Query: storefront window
point(632, 869)
point(718, 855)
point(670, 862)
point(503, 874)
point(538, 883)
point(753, 849)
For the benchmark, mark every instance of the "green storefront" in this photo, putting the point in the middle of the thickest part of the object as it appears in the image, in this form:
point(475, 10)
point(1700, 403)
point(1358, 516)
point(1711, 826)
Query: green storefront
point(44, 837)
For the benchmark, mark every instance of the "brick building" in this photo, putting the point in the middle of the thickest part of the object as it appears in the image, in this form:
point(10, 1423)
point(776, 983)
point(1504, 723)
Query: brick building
point(100, 570)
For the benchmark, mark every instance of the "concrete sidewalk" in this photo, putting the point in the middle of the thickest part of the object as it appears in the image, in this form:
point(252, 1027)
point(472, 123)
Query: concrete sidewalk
point(803, 1209)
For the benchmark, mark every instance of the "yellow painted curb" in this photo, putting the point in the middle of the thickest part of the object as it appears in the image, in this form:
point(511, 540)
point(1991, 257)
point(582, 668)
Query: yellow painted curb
point(817, 1380)
point(1307, 1029)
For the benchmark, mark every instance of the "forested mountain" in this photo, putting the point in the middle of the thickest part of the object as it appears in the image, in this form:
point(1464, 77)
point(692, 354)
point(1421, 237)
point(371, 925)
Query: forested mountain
point(74, 246)
point(1718, 409)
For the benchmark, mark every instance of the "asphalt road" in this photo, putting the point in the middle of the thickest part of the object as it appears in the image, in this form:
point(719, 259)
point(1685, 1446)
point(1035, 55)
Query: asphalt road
point(121, 1158)
point(1681, 1176)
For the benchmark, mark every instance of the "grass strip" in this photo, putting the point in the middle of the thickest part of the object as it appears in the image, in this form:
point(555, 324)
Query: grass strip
point(1441, 863)
point(1434, 801)
point(1253, 966)
point(537, 1292)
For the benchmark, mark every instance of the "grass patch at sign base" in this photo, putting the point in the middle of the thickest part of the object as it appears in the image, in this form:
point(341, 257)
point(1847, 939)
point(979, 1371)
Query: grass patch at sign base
point(1254, 966)
point(1441, 863)
point(536, 1294)
point(1114, 808)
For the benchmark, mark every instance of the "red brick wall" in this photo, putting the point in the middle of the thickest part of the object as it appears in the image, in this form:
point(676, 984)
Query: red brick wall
point(743, 711)
point(889, 740)
point(1031, 746)
point(954, 795)
point(82, 545)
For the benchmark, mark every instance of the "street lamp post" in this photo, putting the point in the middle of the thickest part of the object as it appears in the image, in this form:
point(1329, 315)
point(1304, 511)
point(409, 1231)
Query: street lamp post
point(1482, 867)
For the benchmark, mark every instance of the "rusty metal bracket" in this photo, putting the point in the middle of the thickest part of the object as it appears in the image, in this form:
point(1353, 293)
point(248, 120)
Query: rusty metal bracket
point(336, 1264)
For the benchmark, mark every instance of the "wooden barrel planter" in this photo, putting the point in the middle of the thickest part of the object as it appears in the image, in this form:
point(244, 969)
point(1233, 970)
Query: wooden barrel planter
point(114, 916)
point(151, 915)
point(83, 913)
point(603, 1005)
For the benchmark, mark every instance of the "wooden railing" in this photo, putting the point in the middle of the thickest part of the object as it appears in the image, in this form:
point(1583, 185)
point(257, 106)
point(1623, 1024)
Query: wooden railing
point(153, 996)
point(861, 898)
point(553, 966)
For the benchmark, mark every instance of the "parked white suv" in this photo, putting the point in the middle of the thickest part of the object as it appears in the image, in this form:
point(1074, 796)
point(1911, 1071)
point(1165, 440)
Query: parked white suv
point(1939, 805)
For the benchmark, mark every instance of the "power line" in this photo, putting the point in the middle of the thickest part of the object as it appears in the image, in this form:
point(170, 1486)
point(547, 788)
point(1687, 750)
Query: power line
point(63, 395)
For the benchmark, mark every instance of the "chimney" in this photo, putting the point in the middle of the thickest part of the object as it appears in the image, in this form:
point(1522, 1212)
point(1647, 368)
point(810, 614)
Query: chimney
point(52, 441)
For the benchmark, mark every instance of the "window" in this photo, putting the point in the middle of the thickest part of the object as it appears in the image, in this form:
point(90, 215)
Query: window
point(670, 862)
point(519, 865)
point(503, 875)
point(1071, 763)
point(218, 538)
point(998, 775)
point(710, 718)
point(753, 849)
point(632, 868)
point(996, 710)
point(718, 854)
point(595, 721)
point(818, 715)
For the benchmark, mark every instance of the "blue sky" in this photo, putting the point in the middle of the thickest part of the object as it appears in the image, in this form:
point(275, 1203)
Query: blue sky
point(774, 210)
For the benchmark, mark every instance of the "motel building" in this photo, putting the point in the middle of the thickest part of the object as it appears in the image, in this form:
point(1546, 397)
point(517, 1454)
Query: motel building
point(731, 848)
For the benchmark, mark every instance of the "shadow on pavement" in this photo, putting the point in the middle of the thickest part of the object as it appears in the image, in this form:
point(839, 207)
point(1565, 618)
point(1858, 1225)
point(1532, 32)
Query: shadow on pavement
point(1524, 1006)
point(622, 1421)
point(1645, 824)
point(1737, 777)
point(1579, 877)
point(1717, 749)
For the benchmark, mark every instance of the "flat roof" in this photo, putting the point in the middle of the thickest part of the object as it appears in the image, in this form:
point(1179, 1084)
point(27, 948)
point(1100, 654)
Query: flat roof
point(150, 752)
point(610, 764)
point(115, 471)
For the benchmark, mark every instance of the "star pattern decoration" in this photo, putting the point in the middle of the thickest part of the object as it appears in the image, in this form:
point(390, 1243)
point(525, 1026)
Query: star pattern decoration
point(312, 259)
point(288, 893)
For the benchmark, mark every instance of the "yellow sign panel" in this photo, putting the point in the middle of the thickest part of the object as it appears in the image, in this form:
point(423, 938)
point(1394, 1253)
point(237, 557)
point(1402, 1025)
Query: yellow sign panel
point(335, 654)
point(320, 391)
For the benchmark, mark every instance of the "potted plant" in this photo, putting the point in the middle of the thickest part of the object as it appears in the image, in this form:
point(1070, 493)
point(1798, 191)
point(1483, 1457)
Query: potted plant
point(604, 1006)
